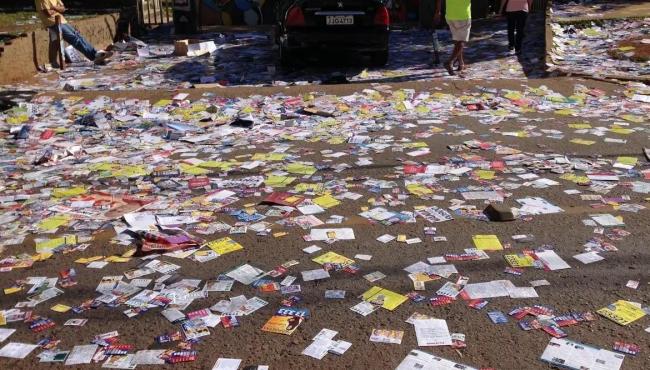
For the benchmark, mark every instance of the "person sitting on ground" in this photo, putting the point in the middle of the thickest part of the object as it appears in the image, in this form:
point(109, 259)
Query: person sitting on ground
point(458, 14)
point(47, 11)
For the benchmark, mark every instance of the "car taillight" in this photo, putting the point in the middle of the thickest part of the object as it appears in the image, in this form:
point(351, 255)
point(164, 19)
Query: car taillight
point(295, 17)
point(382, 17)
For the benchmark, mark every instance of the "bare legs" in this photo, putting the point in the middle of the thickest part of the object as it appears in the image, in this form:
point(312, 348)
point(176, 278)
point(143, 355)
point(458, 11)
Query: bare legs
point(456, 56)
point(461, 57)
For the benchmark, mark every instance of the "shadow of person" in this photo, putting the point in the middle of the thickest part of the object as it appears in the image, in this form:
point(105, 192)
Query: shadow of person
point(10, 99)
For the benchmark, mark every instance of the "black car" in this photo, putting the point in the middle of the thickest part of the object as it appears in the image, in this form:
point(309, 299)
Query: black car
point(333, 26)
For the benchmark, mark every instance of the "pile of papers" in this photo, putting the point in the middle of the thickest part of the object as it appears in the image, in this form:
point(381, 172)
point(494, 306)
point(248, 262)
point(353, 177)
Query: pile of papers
point(599, 49)
point(262, 220)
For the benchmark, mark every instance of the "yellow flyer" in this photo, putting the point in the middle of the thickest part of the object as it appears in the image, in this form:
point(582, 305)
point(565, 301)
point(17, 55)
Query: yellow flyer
point(68, 192)
point(60, 308)
point(622, 312)
point(89, 259)
point(300, 169)
point(390, 299)
point(334, 258)
point(485, 174)
point(192, 170)
point(519, 260)
point(582, 141)
point(47, 245)
point(12, 290)
point(117, 259)
point(53, 222)
point(487, 242)
point(278, 181)
point(224, 245)
point(418, 189)
point(326, 201)
point(627, 161)
point(269, 156)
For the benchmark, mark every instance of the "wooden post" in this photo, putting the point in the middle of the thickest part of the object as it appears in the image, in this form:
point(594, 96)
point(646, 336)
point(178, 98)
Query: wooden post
point(138, 10)
point(160, 10)
point(59, 44)
point(149, 22)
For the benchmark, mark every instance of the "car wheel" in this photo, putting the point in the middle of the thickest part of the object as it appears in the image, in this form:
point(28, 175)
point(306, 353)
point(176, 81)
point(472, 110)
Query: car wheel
point(379, 58)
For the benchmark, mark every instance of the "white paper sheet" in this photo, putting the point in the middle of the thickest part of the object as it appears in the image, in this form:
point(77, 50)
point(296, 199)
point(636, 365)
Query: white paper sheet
point(576, 356)
point(5, 333)
point(81, 354)
point(227, 364)
point(552, 260)
point(432, 332)
point(490, 289)
point(340, 234)
point(318, 348)
point(419, 360)
point(17, 350)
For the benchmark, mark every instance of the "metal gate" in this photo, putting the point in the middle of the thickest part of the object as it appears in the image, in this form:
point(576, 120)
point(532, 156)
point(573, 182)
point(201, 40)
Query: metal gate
point(154, 12)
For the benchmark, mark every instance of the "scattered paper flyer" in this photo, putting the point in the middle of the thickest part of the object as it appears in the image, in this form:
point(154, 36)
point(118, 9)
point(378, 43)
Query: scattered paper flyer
point(227, 364)
point(568, 354)
point(17, 350)
point(149, 357)
point(328, 234)
point(386, 336)
point(419, 360)
point(588, 257)
point(82, 354)
point(551, 260)
point(384, 297)
point(245, 274)
point(622, 312)
point(432, 332)
point(607, 220)
point(317, 274)
point(318, 348)
point(282, 324)
point(6, 333)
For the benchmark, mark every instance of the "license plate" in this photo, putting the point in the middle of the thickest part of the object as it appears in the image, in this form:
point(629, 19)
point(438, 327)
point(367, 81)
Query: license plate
point(336, 20)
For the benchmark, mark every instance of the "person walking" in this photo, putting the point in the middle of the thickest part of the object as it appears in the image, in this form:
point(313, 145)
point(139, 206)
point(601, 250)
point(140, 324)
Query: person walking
point(516, 12)
point(458, 14)
point(47, 11)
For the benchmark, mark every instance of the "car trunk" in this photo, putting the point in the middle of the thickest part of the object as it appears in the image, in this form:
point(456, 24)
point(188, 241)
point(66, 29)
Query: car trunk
point(340, 13)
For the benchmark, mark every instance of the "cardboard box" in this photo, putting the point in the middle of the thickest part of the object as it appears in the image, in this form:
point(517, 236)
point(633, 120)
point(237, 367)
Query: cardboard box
point(193, 48)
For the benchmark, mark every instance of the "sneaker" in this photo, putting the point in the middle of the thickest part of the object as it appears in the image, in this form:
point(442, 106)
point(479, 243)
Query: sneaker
point(102, 56)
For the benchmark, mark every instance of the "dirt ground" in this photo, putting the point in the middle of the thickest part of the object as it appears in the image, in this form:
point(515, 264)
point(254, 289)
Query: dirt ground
point(562, 85)
point(639, 51)
point(581, 288)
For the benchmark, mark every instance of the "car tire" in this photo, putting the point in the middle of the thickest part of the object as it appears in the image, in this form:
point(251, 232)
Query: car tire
point(379, 58)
